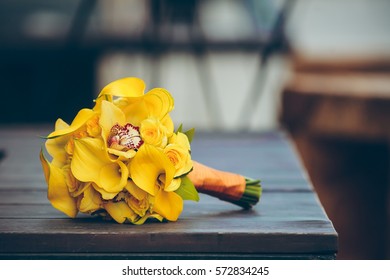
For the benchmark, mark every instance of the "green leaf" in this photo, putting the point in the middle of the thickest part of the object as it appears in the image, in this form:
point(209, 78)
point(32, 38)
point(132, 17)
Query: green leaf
point(180, 129)
point(187, 190)
point(190, 134)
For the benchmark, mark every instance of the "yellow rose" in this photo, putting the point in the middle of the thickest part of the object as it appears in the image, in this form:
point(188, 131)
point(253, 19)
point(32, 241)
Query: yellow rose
point(140, 207)
point(90, 201)
point(178, 153)
point(153, 132)
point(120, 211)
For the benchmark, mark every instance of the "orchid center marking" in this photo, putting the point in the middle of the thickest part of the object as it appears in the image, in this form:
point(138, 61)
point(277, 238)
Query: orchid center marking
point(124, 138)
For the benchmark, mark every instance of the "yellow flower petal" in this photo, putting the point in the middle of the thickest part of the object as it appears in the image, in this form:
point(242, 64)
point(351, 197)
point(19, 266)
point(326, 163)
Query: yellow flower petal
point(142, 220)
point(58, 193)
point(81, 118)
point(180, 158)
point(110, 115)
point(153, 132)
point(122, 155)
point(169, 126)
point(60, 124)
point(135, 110)
point(105, 194)
point(113, 178)
point(140, 207)
point(169, 205)
point(156, 103)
point(91, 163)
point(56, 148)
point(135, 191)
point(159, 102)
point(91, 201)
point(147, 165)
point(125, 87)
point(173, 186)
point(182, 140)
point(120, 211)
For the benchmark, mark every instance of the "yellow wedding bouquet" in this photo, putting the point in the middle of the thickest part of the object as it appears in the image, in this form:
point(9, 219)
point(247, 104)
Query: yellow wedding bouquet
point(123, 160)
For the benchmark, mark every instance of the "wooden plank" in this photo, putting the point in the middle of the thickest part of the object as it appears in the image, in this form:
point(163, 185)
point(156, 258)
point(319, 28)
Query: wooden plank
point(169, 256)
point(273, 205)
point(281, 223)
point(163, 242)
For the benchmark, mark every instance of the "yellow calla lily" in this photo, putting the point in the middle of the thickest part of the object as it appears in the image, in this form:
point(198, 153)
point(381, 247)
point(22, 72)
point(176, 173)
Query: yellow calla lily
point(58, 193)
point(81, 118)
point(125, 87)
point(169, 205)
point(91, 163)
point(159, 102)
point(155, 103)
point(55, 146)
point(60, 142)
point(148, 164)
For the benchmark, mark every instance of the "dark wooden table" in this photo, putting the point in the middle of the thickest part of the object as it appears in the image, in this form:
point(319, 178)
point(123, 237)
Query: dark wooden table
point(288, 223)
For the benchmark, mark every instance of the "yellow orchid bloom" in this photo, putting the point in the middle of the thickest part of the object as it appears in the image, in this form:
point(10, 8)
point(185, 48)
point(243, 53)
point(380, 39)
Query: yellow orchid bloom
point(118, 138)
point(91, 163)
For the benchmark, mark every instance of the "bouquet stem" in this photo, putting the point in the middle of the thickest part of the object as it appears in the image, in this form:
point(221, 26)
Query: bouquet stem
point(230, 187)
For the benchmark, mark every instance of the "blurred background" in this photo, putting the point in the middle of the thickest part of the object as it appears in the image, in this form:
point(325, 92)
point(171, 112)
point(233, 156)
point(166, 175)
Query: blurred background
point(317, 69)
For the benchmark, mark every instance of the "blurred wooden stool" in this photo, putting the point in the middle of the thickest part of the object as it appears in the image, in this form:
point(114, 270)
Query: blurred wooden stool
point(340, 122)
